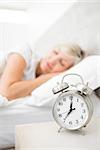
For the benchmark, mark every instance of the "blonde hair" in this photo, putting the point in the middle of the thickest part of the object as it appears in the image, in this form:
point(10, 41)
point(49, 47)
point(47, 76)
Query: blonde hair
point(72, 49)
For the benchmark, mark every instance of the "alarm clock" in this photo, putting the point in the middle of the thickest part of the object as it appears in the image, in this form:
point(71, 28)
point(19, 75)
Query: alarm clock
point(73, 107)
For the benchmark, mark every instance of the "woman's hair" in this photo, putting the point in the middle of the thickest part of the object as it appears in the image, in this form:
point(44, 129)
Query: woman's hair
point(72, 49)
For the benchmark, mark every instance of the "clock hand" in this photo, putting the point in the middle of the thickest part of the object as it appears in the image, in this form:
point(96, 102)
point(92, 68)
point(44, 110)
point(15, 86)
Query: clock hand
point(69, 113)
point(73, 109)
point(69, 110)
point(64, 112)
point(71, 104)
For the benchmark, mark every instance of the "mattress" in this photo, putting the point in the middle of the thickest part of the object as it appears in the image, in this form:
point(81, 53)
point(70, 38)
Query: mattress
point(20, 112)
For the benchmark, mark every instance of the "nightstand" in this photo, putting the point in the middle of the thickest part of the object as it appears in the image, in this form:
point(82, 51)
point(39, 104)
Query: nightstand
point(45, 136)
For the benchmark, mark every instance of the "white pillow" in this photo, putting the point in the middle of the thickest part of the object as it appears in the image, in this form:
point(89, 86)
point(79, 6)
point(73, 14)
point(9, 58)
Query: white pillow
point(44, 95)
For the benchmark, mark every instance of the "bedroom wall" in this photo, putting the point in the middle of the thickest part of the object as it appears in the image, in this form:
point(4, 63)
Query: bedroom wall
point(13, 29)
point(80, 24)
point(43, 15)
point(24, 22)
point(11, 36)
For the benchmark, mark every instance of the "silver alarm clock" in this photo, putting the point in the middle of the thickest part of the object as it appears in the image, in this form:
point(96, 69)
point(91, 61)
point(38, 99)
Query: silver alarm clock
point(73, 108)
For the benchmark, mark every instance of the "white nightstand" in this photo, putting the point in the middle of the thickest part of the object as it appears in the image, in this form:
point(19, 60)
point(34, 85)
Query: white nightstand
point(44, 136)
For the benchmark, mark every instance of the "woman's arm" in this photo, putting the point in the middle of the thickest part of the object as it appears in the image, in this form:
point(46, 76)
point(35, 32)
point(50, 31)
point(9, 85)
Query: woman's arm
point(11, 84)
point(24, 88)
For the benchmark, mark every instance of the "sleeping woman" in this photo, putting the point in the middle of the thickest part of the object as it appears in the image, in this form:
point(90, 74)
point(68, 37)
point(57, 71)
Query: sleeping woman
point(22, 73)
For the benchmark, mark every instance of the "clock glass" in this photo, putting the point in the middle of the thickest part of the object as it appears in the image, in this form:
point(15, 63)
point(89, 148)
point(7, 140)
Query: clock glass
point(70, 111)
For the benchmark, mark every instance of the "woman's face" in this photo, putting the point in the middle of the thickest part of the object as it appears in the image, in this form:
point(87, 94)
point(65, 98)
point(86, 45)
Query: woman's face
point(55, 62)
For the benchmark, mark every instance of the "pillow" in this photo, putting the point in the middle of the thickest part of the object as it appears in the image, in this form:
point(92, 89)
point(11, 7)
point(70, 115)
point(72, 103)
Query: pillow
point(44, 95)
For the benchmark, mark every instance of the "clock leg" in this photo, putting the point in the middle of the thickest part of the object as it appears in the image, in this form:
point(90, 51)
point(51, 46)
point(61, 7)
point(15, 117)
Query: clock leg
point(59, 129)
point(82, 131)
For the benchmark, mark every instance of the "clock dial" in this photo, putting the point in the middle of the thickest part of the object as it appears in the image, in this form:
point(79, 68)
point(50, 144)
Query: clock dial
point(70, 111)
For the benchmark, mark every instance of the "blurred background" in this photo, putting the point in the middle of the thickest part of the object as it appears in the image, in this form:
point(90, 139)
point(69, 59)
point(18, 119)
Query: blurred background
point(23, 21)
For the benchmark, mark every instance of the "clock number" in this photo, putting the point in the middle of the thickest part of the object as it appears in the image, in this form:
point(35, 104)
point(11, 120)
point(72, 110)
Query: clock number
point(60, 103)
point(83, 111)
point(70, 122)
point(64, 99)
point(58, 109)
point(60, 115)
point(77, 100)
point(77, 121)
point(70, 97)
point(82, 104)
point(81, 116)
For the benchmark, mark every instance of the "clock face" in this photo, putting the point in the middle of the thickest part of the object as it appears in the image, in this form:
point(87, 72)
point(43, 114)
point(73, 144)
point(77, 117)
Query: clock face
point(71, 111)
